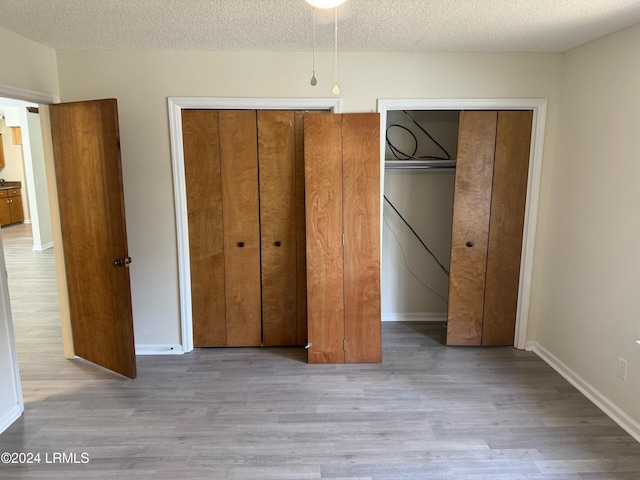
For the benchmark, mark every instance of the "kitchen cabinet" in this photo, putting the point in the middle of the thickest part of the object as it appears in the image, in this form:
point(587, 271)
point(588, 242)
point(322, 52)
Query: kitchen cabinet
point(11, 206)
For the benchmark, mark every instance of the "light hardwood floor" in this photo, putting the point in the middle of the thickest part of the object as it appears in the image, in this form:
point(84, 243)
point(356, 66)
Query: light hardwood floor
point(427, 412)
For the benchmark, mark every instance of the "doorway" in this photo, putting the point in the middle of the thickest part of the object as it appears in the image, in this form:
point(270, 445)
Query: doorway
point(538, 106)
point(176, 105)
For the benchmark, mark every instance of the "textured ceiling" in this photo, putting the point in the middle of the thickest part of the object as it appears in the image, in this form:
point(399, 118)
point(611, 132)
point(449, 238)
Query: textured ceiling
point(285, 25)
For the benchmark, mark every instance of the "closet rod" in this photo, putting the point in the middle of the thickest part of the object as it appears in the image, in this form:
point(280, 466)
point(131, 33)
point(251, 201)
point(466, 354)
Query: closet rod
point(420, 164)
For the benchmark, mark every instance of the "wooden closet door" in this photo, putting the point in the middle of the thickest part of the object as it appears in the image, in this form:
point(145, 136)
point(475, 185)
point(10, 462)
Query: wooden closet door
point(301, 254)
point(510, 173)
point(239, 170)
point(361, 224)
point(277, 166)
point(206, 236)
point(470, 231)
point(323, 206)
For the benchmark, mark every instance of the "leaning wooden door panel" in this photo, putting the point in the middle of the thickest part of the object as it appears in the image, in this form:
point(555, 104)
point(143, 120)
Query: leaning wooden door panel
point(277, 156)
point(470, 231)
point(361, 197)
point(510, 173)
point(239, 163)
point(86, 148)
point(323, 205)
point(301, 256)
point(206, 241)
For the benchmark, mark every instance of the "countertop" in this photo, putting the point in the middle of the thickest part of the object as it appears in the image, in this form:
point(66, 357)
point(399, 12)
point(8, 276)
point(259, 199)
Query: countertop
point(8, 185)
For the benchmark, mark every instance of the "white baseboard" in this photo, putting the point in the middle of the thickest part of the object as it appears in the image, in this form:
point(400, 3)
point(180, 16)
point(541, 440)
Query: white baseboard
point(39, 248)
point(601, 401)
point(150, 349)
point(10, 416)
point(415, 317)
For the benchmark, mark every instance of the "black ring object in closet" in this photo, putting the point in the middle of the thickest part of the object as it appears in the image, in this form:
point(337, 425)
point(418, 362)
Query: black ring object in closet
point(241, 244)
point(469, 244)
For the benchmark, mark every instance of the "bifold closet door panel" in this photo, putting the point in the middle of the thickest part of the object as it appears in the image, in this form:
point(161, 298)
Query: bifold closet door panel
point(239, 165)
point(277, 162)
point(510, 174)
point(301, 254)
point(323, 206)
point(361, 197)
point(470, 231)
point(206, 242)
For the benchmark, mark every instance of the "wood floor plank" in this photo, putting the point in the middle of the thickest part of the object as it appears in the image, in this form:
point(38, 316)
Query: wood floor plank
point(426, 412)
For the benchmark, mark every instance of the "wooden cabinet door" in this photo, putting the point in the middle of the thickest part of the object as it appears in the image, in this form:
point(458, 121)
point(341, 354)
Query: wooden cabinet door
point(17, 213)
point(342, 190)
point(86, 145)
point(5, 212)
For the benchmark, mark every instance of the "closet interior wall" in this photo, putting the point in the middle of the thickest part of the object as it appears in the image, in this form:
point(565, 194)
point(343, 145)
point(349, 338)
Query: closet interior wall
point(244, 173)
point(414, 287)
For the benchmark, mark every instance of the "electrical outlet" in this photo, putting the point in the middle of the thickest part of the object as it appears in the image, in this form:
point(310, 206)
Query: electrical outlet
point(622, 369)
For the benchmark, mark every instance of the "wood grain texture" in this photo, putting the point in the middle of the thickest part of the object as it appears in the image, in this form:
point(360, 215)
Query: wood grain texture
point(301, 256)
point(323, 205)
point(510, 173)
point(206, 234)
point(277, 162)
point(5, 211)
point(361, 223)
point(86, 147)
point(471, 214)
point(239, 160)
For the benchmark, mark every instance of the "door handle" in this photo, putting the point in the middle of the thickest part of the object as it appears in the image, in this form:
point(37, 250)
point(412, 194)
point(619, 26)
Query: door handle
point(119, 262)
point(277, 244)
point(469, 244)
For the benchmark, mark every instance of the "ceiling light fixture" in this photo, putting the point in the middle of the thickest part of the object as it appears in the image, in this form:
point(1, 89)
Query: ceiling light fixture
point(325, 3)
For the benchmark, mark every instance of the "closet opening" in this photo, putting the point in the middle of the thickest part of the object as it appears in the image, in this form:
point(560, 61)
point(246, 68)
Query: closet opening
point(460, 193)
point(420, 165)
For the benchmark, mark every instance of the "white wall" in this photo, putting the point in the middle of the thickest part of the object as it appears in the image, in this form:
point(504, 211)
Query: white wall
point(37, 182)
point(589, 306)
point(142, 81)
point(11, 404)
point(26, 65)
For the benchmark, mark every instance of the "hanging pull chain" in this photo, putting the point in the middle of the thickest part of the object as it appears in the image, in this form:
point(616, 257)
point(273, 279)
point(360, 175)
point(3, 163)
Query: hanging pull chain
point(336, 88)
point(314, 81)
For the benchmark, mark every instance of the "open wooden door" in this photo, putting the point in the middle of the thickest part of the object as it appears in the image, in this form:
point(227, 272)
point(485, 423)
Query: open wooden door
point(86, 145)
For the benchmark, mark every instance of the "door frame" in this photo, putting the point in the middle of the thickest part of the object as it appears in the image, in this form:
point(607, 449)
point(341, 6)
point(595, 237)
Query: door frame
point(45, 99)
point(176, 105)
point(539, 108)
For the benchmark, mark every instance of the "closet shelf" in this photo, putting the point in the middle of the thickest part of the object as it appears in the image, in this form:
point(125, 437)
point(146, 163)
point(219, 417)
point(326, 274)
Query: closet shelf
point(420, 164)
